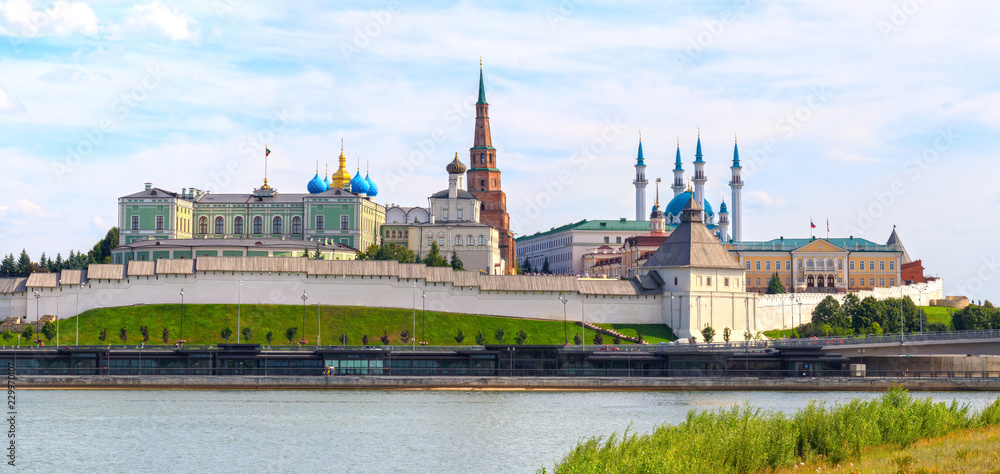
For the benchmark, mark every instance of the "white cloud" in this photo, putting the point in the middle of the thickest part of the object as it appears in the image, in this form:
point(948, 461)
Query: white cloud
point(28, 208)
point(21, 20)
point(9, 105)
point(156, 19)
point(65, 75)
point(98, 223)
point(762, 198)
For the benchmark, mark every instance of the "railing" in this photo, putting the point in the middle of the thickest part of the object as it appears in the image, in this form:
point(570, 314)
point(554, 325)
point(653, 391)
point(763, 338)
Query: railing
point(889, 338)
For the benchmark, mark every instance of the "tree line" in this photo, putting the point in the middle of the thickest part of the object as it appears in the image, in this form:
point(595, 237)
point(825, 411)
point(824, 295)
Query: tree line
point(401, 254)
point(866, 316)
point(23, 265)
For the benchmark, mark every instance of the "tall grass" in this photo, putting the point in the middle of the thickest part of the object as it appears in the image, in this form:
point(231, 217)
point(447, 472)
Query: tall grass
point(744, 439)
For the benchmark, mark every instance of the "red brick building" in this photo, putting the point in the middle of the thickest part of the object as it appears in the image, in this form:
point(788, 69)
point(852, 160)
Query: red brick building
point(484, 181)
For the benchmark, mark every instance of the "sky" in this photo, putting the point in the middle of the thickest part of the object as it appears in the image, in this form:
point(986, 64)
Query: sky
point(867, 113)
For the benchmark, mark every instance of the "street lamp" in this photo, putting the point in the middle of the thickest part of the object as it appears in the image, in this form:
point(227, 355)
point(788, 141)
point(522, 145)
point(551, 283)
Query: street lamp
point(318, 331)
point(57, 316)
point(304, 298)
point(800, 311)
point(239, 297)
point(583, 324)
point(423, 315)
point(182, 315)
point(414, 335)
point(565, 321)
point(78, 313)
point(37, 296)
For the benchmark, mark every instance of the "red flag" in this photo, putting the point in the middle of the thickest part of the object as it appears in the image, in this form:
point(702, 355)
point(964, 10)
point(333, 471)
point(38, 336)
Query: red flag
point(812, 225)
point(266, 152)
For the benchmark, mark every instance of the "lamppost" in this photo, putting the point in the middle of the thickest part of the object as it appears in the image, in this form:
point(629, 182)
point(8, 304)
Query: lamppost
point(37, 296)
point(57, 316)
point(902, 327)
point(563, 299)
point(423, 315)
point(304, 298)
point(782, 319)
point(583, 324)
point(239, 300)
point(78, 313)
point(800, 310)
point(318, 331)
point(414, 335)
point(672, 312)
point(182, 314)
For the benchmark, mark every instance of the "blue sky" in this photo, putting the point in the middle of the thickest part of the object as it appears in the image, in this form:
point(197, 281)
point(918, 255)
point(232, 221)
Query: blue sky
point(869, 113)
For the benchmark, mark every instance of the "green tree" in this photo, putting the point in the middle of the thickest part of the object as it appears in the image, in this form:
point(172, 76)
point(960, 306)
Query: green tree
point(384, 337)
point(317, 255)
point(577, 339)
point(480, 338)
point(101, 253)
point(971, 318)
point(23, 264)
point(434, 258)
point(526, 268)
point(459, 337)
point(520, 337)
point(8, 267)
point(144, 330)
point(829, 311)
point(166, 336)
point(247, 334)
point(774, 285)
point(708, 333)
point(49, 331)
point(865, 314)
point(6, 335)
point(456, 263)
point(226, 333)
point(123, 335)
point(290, 333)
point(726, 334)
point(598, 338)
point(388, 251)
point(499, 335)
point(28, 333)
point(270, 337)
point(545, 267)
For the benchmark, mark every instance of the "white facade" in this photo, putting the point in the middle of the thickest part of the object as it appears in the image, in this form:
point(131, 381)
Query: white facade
point(565, 246)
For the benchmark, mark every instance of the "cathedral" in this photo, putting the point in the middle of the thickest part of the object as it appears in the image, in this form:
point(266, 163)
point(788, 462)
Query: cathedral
point(718, 224)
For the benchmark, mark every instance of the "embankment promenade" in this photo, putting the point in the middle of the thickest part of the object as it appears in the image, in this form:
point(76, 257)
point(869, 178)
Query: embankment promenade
point(209, 382)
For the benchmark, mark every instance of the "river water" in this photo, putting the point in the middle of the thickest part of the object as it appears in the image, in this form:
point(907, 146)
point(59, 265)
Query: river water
point(351, 431)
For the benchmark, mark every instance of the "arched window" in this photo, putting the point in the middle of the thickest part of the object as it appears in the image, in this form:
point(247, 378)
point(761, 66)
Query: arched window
point(809, 263)
point(469, 241)
point(220, 225)
point(276, 225)
point(258, 225)
point(482, 158)
point(296, 225)
point(238, 225)
point(458, 240)
point(482, 240)
point(203, 225)
point(406, 233)
point(840, 264)
point(829, 263)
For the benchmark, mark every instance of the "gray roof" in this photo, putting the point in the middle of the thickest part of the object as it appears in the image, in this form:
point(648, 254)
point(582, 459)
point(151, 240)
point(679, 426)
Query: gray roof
point(895, 244)
point(174, 267)
point(691, 244)
point(141, 268)
point(13, 285)
point(43, 280)
point(106, 271)
point(153, 192)
point(72, 277)
point(462, 194)
point(213, 242)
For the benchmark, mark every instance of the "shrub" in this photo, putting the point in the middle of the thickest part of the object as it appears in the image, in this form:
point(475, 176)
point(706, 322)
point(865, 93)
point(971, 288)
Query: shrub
point(617, 340)
point(247, 333)
point(459, 337)
point(598, 338)
point(520, 337)
point(6, 335)
point(726, 334)
point(165, 336)
point(123, 335)
point(343, 339)
point(49, 330)
point(499, 335)
point(577, 339)
point(290, 334)
point(144, 330)
point(708, 333)
point(364, 340)
point(385, 337)
point(480, 338)
point(29, 332)
point(404, 336)
point(226, 333)
point(103, 335)
point(269, 337)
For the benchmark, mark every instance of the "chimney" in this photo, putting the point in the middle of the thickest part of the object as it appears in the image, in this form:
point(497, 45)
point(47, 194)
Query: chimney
point(149, 186)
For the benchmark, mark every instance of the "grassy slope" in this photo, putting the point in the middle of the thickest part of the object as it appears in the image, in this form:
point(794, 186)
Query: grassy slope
point(203, 323)
point(651, 333)
point(965, 451)
point(935, 314)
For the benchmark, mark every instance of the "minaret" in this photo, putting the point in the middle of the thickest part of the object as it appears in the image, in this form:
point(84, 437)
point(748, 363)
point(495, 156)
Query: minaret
point(737, 185)
point(699, 176)
point(657, 221)
point(484, 180)
point(678, 186)
point(723, 222)
point(640, 184)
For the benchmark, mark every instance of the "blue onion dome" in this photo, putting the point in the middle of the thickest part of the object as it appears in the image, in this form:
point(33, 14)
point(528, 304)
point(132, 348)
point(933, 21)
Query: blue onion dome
point(372, 188)
point(723, 209)
point(456, 166)
point(358, 184)
point(679, 201)
point(327, 181)
point(316, 185)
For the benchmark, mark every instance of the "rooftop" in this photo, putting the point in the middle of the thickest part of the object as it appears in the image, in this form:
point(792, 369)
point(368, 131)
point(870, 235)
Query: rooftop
point(619, 225)
point(852, 244)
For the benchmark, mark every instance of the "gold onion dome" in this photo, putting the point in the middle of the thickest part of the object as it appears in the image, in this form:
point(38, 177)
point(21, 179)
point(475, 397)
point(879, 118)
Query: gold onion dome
point(340, 178)
point(456, 166)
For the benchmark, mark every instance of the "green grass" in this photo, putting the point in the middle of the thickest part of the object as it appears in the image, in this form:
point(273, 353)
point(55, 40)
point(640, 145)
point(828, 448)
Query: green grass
point(651, 333)
point(204, 323)
point(937, 314)
point(745, 439)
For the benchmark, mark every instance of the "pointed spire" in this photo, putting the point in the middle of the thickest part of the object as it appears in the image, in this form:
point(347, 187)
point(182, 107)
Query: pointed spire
point(697, 152)
point(639, 160)
point(657, 204)
point(677, 162)
point(482, 87)
point(736, 153)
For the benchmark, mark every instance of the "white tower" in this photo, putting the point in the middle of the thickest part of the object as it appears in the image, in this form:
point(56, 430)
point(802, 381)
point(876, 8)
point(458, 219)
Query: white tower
point(699, 177)
point(723, 222)
point(640, 184)
point(737, 185)
point(678, 185)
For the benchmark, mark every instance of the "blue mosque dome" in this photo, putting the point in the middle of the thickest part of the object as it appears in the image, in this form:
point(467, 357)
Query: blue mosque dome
point(679, 201)
point(316, 185)
point(372, 188)
point(327, 181)
point(358, 184)
point(723, 209)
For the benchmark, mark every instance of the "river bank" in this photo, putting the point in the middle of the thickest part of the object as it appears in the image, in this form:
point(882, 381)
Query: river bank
point(208, 382)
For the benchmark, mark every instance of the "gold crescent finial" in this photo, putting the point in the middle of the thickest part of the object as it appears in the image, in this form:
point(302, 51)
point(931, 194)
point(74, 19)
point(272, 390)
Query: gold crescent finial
point(480, 61)
point(699, 132)
point(341, 145)
point(736, 138)
point(640, 136)
point(678, 141)
point(317, 166)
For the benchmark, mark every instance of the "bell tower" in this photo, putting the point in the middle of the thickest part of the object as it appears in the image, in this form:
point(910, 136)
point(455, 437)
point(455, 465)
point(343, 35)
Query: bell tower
point(483, 180)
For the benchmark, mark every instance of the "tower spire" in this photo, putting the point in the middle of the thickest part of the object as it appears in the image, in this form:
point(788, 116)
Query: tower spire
point(482, 86)
point(640, 183)
point(678, 185)
point(736, 184)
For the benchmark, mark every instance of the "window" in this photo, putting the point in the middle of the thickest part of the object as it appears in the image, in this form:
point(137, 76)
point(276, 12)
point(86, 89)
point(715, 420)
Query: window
point(800, 264)
point(343, 222)
point(829, 263)
point(296, 225)
point(852, 282)
point(881, 281)
point(469, 241)
point(861, 265)
point(788, 281)
point(675, 281)
point(458, 240)
point(159, 222)
point(203, 225)
point(758, 281)
point(850, 265)
point(406, 233)
point(767, 265)
point(440, 241)
point(482, 158)
point(788, 265)
point(459, 214)
point(840, 264)
point(699, 281)
point(892, 265)
point(135, 222)
point(748, 280)
point(871, 265)
point(258, 225)
point(220, 227)
point(881, 265)
point(748, 264)
point(777, 264)
point(430, 241)
point(238, 225)
point(892, 282)
point(320, 222)
point(444, 214)
point(482, 240)
point(708, 281)
point(725, 282)
point(276, 225)
point(607, 239)
point(756, 265)
point(871, 281)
